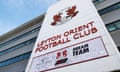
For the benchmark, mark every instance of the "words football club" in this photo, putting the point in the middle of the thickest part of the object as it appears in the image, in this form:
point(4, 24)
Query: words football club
point(76, 33)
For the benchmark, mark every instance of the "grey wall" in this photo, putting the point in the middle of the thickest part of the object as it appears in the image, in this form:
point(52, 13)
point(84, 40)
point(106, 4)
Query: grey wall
point(16, 67)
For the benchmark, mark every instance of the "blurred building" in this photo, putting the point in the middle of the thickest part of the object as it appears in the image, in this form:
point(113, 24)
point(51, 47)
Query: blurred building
point(16, 45)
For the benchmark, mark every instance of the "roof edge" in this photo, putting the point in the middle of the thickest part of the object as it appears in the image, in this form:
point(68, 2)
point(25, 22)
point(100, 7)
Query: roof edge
point(22, 27)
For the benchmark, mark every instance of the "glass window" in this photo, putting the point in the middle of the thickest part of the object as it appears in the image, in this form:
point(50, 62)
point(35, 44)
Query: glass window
point(111, 27)
point(18, 46)
point(117, 24)
point(97, 1)
point(15, 59)
point(109, 9)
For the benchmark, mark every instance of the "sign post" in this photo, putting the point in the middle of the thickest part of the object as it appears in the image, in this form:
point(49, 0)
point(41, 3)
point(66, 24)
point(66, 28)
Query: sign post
point(73, 38)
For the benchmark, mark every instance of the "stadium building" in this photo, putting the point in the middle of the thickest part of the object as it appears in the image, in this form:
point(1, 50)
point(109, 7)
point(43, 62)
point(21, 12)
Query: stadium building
point(16, 46)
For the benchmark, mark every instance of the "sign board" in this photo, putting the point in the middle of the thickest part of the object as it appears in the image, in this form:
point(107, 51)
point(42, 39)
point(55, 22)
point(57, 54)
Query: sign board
point(73, 38)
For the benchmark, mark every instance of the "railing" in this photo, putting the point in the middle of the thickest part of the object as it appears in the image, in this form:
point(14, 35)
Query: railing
point(18, 46)
point(19, 37)
point(15, 59)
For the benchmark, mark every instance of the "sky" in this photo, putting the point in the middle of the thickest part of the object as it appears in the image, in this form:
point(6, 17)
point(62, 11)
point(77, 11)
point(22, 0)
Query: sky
point(13, 13)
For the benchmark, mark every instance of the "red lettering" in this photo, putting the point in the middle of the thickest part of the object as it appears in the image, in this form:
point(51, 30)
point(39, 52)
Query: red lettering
point(56, 18)
point(45, 47)
point(87, 32)
point(77, 32)
point(58, 55)
point(94, 30)
point(81, 35)
point(65, 53)
point(38, 49)
point(76, 36)
point(66, 33)
point(71, 12)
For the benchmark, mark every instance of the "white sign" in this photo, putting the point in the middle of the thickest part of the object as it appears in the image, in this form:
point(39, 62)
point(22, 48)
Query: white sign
point(72, 34)
point(74, 54)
